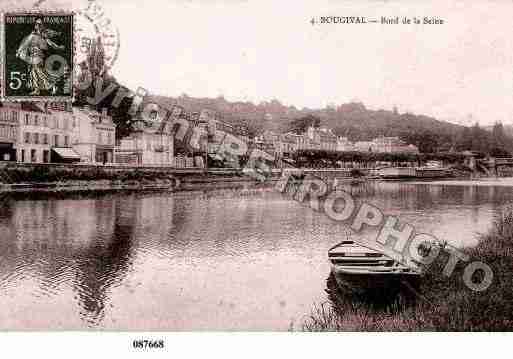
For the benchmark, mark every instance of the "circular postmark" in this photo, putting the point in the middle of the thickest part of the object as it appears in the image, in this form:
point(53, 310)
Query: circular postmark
point(95, 33)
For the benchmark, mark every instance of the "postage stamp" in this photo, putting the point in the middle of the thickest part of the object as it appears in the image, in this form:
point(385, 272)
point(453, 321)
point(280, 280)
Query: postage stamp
point(38, 56)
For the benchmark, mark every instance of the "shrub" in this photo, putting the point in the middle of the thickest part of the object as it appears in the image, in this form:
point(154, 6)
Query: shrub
point(443, 304)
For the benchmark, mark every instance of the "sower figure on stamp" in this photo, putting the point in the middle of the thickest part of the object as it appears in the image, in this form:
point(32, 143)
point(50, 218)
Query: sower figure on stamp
point(33, 50)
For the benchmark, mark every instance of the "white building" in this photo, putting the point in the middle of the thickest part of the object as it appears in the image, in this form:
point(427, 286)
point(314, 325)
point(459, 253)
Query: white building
point(344, 145)
point(9, 132)
point(327, 139)
point(364, 146)
point(96, 136)
point(150, 144)
point(384, 144)
point(54, 132)
point(45, 132)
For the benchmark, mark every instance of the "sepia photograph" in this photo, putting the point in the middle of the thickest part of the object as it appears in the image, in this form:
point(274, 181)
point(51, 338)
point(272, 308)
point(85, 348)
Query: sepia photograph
point(256, 166)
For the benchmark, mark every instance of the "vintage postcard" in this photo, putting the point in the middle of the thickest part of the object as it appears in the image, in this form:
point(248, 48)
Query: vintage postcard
point(37, 56)
point(257, 166)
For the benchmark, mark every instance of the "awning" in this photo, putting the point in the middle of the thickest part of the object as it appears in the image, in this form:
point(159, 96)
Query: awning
point(66, 153)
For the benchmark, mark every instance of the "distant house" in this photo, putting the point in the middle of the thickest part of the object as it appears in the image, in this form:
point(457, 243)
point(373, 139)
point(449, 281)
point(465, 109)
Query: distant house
point(150, 144)
point(384, 144)
point(312, 139)
point(328, 141)
point(393, 145)
point(411, 149)
point(269, 142)
point(240, 131)
point(288, 143)
point(365, 146)
point(344, 145)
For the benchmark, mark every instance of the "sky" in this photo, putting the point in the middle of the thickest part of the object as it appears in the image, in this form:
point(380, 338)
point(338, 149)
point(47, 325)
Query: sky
point(259, 50)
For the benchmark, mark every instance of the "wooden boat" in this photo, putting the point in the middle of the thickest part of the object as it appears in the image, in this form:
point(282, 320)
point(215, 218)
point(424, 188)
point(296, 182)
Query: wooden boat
point(362, 268)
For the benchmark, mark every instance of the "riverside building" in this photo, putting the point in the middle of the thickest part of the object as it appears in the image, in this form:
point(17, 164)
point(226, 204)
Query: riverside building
point(52, 133)
point(96, 136)
point(151, 143)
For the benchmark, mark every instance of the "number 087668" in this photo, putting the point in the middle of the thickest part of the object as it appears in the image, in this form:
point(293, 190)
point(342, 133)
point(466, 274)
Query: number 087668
point(148, 344)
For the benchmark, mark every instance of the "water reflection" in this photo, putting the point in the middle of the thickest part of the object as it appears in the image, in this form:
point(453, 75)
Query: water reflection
point(245, 259)
point(384, 299)
point(106, 260)
point(85, 245)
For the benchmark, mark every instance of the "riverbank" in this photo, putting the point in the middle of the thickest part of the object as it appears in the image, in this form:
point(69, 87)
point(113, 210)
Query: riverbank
point(441, 303)
point(15, 177)
point(170, 183)
point(144, 185)
point(23, 178)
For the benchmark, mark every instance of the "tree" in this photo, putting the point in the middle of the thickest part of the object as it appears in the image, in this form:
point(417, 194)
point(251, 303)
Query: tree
point(300, 125)
point(464, 139)
point(94, 66)
point(499, 137)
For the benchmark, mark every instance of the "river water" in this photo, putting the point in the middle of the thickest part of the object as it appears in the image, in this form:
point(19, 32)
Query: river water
point(246, 259)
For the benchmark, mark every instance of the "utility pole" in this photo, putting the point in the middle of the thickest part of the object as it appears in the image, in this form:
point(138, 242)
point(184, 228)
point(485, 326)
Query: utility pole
point(206, 152)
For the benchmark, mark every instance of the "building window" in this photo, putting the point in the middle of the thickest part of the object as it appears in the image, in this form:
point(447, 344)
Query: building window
point(36, 138)
point(66, 141)
point(100, 137)
point(27, 137)
point(27, 119)
point(45, 138)
point(22, 155)
point(33, 156)
point(45, 121)
point(36, 120)
point(109, 138)
point(14, 116)
point(56, 140)
point(46, 156)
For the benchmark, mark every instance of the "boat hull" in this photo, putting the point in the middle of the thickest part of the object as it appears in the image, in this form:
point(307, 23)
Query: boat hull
point(366, 281)
point(361, 268)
